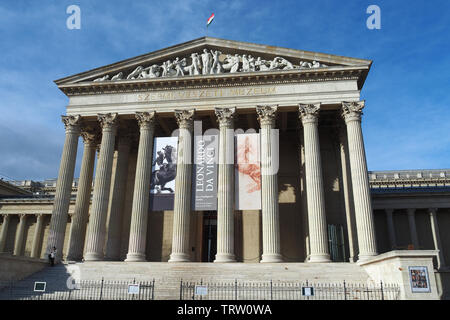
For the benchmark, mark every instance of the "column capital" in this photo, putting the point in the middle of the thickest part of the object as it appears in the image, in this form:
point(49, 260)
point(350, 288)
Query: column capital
point(22, 216)
point(309, 113)
point(146, 118)
point(432, 211)
point(185, 118)
point(225, 116)
point(90, 137)
point(39, 215)
point(72, 123)
point(108, 120)
point(352, 111)
point(266, 114)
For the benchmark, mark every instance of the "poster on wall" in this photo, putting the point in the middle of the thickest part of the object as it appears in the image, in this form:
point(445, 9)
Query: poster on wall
point(204, 175)
point(162, 186)
point(419, 279)
point(247, 172)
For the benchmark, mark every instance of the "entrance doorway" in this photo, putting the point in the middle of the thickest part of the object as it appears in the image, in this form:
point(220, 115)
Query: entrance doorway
point(209, 245)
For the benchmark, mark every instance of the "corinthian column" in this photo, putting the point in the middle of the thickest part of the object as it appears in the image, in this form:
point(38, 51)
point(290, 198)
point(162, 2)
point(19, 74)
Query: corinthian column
point(4, 232)
point(269, 184)
point(318, 237)
point(391, 228)
point(35, 248)
point(112, 251)
point(18, 243)
point(100, 198)
point(182, 204)
point(412, 227)
point(64, 186)
point(139, 211)
point(225, 191)
point(81, 210)
point(352, 111)
point(436, 237)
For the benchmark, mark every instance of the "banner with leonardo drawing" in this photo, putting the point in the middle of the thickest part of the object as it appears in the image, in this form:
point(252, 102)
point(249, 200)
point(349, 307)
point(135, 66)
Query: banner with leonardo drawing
point(247, 180)
point(162, 187)
point(204, 174)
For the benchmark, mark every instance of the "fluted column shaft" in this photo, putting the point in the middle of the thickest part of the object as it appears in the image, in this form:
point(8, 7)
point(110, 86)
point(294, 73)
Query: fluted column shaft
point(141, 195)
point(81, 210)
point(346, 191)
point(4, 232)
point(36, 246)
point(225, 187)
point(360, 181)
point(116, 205)
point(102, 184)
point(182, 204)
point(391, 228)
point(436, 237)
point(18, 243)
point(412, 227)
point(269, 185)
point(64, 186)
point(318, 236)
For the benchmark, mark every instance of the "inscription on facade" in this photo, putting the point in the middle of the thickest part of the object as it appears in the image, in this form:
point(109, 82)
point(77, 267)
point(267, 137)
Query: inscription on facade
point(206, 93)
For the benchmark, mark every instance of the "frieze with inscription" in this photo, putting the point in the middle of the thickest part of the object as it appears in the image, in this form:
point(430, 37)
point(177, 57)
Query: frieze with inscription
point(206, 93)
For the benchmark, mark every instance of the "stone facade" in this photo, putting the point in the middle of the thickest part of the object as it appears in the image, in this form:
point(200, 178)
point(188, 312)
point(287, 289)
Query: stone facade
point(321, 205)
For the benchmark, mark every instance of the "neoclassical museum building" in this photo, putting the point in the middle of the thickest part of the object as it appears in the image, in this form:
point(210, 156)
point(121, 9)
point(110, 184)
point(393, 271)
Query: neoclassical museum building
point(222, 151)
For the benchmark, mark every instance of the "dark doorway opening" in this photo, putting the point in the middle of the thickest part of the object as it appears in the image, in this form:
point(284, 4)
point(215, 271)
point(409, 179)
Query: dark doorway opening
point(209, 245)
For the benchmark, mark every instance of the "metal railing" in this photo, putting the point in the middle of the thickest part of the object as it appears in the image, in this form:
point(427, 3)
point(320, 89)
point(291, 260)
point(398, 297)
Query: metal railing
point(287, 291)
point(82, 290)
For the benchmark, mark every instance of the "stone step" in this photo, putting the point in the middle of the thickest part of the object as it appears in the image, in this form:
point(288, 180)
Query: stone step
point(168, 276)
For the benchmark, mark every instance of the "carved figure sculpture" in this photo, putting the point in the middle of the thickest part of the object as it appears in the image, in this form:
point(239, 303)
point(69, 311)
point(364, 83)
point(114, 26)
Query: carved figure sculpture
point(260, 64)
point(206, 60)
point(232, 63)
point(179, 66)
point(150, 72)
point(118, 76)
point(216, 65)
point(104, 78)
point(251, 63)
point(245, 63)
point(195, 64)
point(136, 72)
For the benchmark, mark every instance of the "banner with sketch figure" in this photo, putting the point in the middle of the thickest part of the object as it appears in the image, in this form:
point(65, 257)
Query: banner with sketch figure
point(162, 187)
point(204, 174)
point(247, 172)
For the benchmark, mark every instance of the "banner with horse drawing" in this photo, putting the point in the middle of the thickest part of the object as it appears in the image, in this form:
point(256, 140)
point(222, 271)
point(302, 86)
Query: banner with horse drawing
point(247, 172)
point(162, 187)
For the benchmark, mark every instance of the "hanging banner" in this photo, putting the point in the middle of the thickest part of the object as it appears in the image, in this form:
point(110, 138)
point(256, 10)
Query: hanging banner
point(162, 187)
point(247, 180)
point(204, 175)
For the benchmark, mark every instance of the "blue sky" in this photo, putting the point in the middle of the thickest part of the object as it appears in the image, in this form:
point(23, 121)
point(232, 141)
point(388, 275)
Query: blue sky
point(406, 121)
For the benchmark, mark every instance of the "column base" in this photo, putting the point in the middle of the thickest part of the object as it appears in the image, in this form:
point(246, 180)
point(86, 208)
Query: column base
point(135, 257)
point(93, 256)
point(271, 258)
point(74, 258)
point(366, 257)
point(319, 258)
point(225, 258)
point(179, 257)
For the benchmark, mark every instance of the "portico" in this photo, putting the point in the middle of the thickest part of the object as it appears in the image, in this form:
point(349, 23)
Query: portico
point(294, 99)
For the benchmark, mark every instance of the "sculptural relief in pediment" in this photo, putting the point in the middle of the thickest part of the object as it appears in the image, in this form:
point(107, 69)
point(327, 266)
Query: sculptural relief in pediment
point(209, 62)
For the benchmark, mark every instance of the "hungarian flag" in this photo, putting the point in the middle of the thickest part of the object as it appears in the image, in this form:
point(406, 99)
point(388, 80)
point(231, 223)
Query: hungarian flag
point(210, 19)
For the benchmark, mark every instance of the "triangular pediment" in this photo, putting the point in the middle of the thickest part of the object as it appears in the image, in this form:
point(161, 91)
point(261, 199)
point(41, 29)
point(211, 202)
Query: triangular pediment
point(211, 56)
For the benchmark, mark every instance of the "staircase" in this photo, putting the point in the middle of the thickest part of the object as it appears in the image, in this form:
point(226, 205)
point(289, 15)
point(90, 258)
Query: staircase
point(167, 276)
